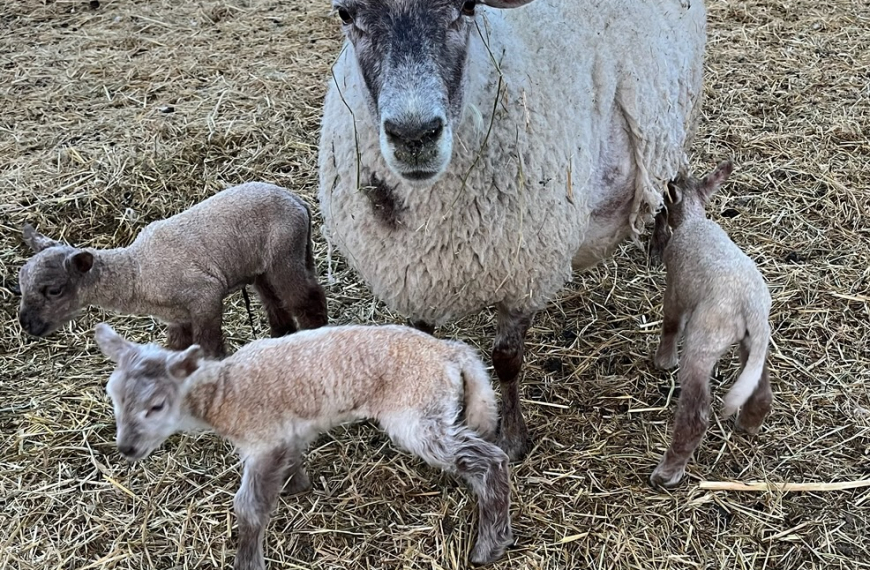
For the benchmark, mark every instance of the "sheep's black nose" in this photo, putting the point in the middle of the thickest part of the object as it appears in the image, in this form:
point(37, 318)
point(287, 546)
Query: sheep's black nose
point(414, 135)
point(127, 449)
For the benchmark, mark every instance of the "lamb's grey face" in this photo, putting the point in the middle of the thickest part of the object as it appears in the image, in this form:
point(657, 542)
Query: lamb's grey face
point(412, 56)
point(49, 284)
point(146, 400)
point(147, 390)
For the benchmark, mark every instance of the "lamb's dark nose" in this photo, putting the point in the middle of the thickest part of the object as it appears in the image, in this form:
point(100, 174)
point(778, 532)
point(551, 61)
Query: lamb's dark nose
point(414, 136)
point(31, 324)
point(127, 449)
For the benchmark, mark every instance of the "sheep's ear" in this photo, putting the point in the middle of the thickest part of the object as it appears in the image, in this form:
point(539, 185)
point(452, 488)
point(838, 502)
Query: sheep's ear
point(35, 240)
point(711, 183)
point(183, 364)
point(113, 345)
point(80, 262)
point(506, 3)
point(674, 194)
point(661, 235)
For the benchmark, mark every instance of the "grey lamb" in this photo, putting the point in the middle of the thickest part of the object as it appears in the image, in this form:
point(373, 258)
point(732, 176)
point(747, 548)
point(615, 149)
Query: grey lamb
point(180, 269)
point(716, 296)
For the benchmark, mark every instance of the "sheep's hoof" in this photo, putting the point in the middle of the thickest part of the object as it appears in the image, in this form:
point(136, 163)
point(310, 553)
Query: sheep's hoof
point(486, 552)
point(516, 446)
point(667, 476)
point(249, 563)
point(747, 429)
point(298, 483)
point(665, 361)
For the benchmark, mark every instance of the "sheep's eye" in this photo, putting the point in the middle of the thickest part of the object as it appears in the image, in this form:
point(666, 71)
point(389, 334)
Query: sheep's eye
point(345, 16)
point(468, 8)
point(156, 408)
point(53, 292)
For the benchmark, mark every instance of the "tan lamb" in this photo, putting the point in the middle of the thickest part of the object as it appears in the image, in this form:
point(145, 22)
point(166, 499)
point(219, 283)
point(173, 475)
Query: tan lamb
point(180, 269)
point(715, 296)
point(274, 396)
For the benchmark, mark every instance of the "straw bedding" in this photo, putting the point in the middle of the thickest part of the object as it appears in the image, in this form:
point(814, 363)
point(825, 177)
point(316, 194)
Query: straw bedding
point(115, 114)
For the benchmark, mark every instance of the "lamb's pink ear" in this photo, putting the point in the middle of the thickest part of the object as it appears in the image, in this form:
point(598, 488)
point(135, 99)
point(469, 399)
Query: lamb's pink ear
point(711, 183)
point(80, 262)
point(35, 240)
point(113, 345)
point(183, 364)
point(508, 3)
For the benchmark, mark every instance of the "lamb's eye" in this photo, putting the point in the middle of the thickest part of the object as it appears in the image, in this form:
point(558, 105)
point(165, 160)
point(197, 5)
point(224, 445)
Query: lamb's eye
point(345, 16)
point(53, 292)
point(468, 8)
point(156, 408)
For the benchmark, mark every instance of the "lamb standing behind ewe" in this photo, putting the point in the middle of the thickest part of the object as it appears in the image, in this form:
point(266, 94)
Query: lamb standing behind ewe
point(718, 297)
point(472, 154)
point(274, 396)
point(180, 269)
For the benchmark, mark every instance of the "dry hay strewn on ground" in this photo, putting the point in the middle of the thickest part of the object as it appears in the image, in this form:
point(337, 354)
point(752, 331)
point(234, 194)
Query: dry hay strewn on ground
point(118, 113)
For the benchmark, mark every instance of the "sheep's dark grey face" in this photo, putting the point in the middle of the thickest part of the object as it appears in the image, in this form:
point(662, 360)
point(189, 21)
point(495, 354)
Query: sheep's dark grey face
point(412, 56)
point(49, 284)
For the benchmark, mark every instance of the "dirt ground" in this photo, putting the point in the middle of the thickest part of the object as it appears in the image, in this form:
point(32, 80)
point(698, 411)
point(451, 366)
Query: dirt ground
point(117, 113)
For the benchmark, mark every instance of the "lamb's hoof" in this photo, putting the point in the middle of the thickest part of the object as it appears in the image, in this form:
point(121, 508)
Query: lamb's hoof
point(485, 552)
point(665, 361)
point(747, 429)
point(298, 483)
point(516, 446)
point(244, 562)
point(667, 476)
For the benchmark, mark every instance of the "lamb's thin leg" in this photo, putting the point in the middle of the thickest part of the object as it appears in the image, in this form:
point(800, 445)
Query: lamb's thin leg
point(179, 336)
point(758, 405)
point(672, 329)
point(692, 418)
point(300, 294)
point(206, 328)
point(298, 481)
point(423, 326)
point(507, 359)
point(311, 310)
point(263, 477)
point(280, 319)
point(483, 465)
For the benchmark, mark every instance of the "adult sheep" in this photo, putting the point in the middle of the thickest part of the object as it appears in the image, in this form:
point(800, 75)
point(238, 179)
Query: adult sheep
point(471, 157)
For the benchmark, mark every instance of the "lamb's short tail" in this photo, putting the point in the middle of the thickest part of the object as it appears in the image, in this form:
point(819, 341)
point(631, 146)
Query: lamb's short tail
point(759, 337)
point(481, 411)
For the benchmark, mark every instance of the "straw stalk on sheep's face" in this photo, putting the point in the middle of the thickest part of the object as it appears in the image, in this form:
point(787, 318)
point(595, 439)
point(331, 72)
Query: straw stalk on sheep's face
point(412, 58)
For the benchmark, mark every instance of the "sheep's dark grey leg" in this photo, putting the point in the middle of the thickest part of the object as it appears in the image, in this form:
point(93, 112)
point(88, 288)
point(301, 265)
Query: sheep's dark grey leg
point(423, 326)
point(179, 336)
point(206, 328)
point(672, 328)
point(280, 319)
point(262, 480)
point(758, 405)
point(693, 416)
point(507, 359)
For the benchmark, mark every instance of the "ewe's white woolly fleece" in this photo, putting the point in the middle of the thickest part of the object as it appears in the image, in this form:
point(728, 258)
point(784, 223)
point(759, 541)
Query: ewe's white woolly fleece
point(591, 90)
